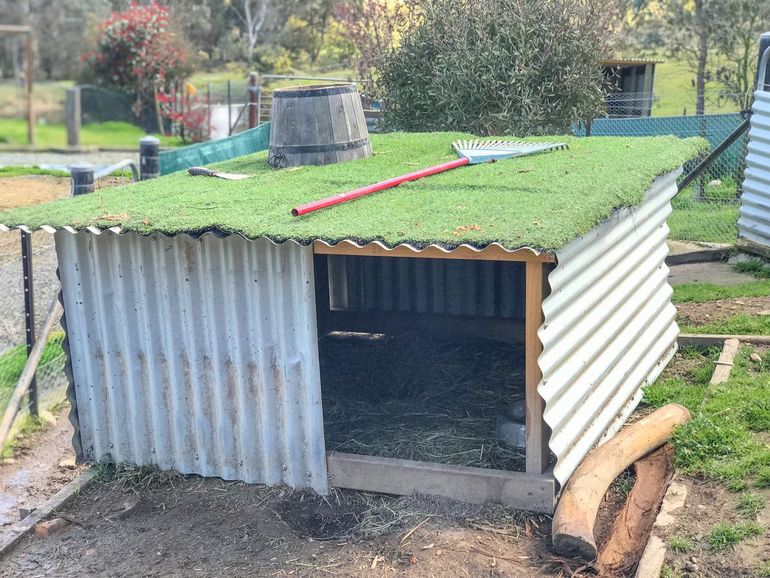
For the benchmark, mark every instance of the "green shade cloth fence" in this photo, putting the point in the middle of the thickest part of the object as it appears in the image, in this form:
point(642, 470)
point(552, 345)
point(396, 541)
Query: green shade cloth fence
point(244, 143)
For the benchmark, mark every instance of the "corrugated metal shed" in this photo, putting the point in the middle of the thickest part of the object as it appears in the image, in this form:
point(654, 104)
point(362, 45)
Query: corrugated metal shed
point(609, 326)
point(754, 219)
point(195, 353)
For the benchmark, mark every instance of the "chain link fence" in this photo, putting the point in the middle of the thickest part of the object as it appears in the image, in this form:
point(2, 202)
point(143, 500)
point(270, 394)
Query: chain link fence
point(707, 210)
point(50, 376)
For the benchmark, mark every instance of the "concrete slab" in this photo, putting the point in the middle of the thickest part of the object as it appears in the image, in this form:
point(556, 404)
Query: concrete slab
point(716, 272)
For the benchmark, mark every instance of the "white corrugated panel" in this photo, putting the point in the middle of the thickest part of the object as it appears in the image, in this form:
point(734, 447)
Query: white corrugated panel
point(754, 219)
point(197, 354)
point(609, 326)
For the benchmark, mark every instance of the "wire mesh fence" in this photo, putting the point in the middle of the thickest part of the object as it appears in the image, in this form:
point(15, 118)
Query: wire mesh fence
point(50, 377)
point(707, 210)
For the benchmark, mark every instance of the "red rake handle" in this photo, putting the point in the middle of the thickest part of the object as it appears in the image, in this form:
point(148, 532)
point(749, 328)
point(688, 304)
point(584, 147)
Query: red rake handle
point(381, 186)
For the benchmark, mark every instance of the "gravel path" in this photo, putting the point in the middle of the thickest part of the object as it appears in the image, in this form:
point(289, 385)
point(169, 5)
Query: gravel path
point(63, 160)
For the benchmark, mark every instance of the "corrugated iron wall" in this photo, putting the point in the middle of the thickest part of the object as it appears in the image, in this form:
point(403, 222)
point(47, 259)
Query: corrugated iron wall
point(754, 218)
point(435, 286)
point(197, 354)
point(609, 326)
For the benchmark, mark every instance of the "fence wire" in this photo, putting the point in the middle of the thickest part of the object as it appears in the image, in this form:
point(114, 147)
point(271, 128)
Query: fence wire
point(707, 210)
point(51, 377)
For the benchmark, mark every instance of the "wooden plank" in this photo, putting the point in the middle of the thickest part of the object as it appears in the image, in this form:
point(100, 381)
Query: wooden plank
point(474, 485)
point(538, 454)
point(322, 299)
point(505, 330)
point(724, 364)
point(709, 340)
point(55, 502)
point(490, 253)
point(15, 29)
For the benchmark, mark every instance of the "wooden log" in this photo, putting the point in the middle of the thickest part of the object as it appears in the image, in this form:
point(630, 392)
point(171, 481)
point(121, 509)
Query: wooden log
point(629, 535)
point(709, 340)
point(724, 364)
point(573, 523)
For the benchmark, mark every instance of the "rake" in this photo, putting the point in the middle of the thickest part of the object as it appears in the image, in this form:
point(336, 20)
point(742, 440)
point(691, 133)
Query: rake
point(470, 152)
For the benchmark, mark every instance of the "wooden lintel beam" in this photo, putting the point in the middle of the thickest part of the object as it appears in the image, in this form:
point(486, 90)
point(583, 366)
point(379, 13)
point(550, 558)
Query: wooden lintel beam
point(490, 253)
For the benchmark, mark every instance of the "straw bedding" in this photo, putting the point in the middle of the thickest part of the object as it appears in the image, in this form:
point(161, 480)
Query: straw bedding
point(420, 398)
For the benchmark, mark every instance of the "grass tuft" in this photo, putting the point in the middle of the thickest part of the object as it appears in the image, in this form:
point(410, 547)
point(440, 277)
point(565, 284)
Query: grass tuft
point(680, 544)
point(750, 504)
point(755, 267)
point(725, 536)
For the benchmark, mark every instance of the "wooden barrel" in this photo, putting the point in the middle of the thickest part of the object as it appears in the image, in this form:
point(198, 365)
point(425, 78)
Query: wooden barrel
point(317, 125)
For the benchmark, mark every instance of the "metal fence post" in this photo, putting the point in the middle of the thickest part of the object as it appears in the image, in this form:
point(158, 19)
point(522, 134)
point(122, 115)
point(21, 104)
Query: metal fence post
point(149, 158)
point(229, 109)
point(253, 91)
point(764, 44)
point(82, 175)
point(29, 312)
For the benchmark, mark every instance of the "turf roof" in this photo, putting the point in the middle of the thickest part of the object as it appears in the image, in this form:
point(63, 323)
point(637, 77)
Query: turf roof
point(541, 201)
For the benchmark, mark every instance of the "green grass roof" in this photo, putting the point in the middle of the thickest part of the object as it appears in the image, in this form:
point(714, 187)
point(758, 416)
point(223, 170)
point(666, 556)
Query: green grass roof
point(541, 201)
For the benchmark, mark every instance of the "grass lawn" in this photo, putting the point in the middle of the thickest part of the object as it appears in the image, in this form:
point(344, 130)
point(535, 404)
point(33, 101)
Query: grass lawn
point(711, 219)
point(13, 360)
point(541, 201)
point(14, 171)
point(676, 93)
point(106, 134)
point(721, 441)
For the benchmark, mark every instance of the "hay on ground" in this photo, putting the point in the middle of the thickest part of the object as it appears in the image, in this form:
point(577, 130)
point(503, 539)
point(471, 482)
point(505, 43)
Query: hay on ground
point(420, 398)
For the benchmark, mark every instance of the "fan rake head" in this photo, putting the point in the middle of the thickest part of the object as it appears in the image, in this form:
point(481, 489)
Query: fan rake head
point(479, 151)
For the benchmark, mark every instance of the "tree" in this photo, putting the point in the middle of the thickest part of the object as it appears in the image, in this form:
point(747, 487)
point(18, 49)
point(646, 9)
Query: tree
point(374, 27)
point(737, 49)
point(499, 67)
point(693, 29)
point(253, 14)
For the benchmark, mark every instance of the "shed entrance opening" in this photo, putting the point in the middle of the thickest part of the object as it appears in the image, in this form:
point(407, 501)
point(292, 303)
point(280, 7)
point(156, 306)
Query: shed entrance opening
point(422, 359)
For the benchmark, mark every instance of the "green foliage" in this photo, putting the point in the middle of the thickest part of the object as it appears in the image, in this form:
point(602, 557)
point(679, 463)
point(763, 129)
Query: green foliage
point(516, 202)
point(13, 360)
point(725, 536)
point(707, 222)
point(755, 267)
point(750, 504)
point(137, 52)
point(680, 544)
point(498, 67)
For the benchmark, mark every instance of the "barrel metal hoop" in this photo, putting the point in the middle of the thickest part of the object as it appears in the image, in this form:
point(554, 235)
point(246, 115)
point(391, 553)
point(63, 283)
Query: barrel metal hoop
point(317, 91)
point(319, 148)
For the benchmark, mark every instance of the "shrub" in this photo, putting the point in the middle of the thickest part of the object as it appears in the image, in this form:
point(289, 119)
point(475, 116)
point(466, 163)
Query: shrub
point(498, 67)
point(138, 53)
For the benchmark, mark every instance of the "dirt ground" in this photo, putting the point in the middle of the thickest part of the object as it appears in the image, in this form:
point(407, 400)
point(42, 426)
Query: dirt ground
point(34, 474)
point(33, 190)
point(703, 313)
point(207, 527)
point(707, 505)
